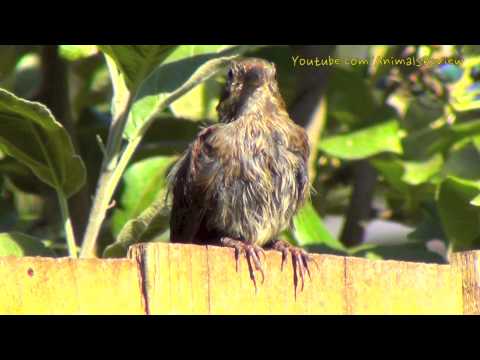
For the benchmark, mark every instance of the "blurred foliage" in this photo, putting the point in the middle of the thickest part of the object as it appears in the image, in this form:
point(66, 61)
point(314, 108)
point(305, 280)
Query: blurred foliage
point(412, 112)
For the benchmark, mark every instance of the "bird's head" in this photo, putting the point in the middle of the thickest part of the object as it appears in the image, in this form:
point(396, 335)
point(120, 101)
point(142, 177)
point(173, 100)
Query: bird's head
point(248, 81)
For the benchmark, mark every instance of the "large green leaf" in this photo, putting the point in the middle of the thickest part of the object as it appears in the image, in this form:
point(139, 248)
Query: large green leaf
point(384, 137)
point(399, 174)
point(144, 181)
point(136, 62)
point(30, 133)
point(169, 82)
point(200, 102)
point(18, 244)
point(310, 231)
point(460, 219)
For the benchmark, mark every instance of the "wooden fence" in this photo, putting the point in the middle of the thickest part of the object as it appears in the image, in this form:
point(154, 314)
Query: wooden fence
point(189, 279)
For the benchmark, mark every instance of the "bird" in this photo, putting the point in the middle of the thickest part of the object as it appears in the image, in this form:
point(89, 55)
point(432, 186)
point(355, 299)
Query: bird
point(242, 180)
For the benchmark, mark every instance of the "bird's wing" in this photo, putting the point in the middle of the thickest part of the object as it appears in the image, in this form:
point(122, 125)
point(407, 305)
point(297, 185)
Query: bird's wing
point(301, 147)
point(191, 181)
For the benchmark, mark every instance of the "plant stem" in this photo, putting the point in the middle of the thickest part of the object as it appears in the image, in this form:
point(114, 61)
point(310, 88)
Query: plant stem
point(67, 223)
point(107, 184)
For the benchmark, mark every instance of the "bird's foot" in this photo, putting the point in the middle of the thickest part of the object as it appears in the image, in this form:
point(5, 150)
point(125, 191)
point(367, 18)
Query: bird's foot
point(300, 260)
point(252, 253)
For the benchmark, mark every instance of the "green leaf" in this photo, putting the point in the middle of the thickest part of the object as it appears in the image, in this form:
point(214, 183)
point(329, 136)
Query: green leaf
point(77, 52)
point(418, 172)
point(30, 133)
point(136, 62)
point(168, 136)
point(422, 111)
point(475, 201)
point(350, 98)
point(460, 219)
point(169, 82)
point(430, 227)
point(399, 174)
point(399, 252)
point(384, 137)
point(465, 93)
point(18, 244)
point(309, 230)
point(144, 181)
point(200, 103)
point(153, 220)
point(428, 141)
point(463, 162)
point(392, 170)
point(22, 177)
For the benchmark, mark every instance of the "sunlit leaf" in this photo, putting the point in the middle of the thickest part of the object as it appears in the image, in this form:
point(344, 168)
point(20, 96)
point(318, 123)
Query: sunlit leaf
point(169, 82)
point(136, 62)
point(144, 181)
point(310, 229)
point(77, 52)
point(384, 137)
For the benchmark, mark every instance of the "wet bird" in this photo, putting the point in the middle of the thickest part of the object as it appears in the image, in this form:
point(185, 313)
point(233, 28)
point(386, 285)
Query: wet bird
point(241, 181)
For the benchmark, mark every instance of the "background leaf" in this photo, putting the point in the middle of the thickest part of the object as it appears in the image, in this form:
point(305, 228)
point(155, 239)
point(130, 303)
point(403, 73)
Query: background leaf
point(29, 133)
point(144, 181)
point(461, 219)
point(17, 244)
point(169, 82)
point(77, 52)
point(310, 231)
point(136, 62)
point(384, 137)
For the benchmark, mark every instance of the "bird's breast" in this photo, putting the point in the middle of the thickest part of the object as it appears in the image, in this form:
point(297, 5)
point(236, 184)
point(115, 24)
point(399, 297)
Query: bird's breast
point(255, 190)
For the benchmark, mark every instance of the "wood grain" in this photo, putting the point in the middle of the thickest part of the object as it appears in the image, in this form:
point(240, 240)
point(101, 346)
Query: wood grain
point(163, 278)
point(468, 264)
point(194, 279)
point(396, 287)
point(35, 285)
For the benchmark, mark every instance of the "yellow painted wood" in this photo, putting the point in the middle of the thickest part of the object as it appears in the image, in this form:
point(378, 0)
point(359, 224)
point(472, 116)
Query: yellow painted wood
point(468, 263)
point(192, 279)
point(206, 282)
point(397, 287)
point(35, 285)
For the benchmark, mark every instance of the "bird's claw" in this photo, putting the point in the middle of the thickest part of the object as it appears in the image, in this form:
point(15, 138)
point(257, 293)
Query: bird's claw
point(300, 261)
point(252, 253)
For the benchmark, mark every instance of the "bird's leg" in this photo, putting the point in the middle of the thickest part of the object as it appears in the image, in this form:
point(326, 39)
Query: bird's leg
point(252, 253)
point(300, 260)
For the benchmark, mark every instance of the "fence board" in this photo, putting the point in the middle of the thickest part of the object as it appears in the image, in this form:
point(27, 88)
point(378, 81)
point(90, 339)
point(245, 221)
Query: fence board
point(340, 285)
point(163, 278)
point(35, 285)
